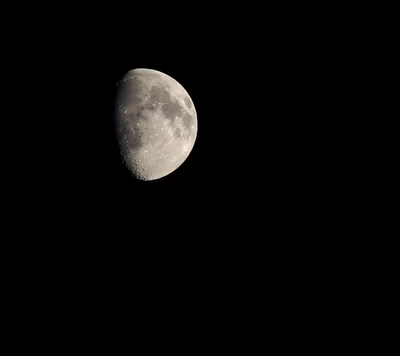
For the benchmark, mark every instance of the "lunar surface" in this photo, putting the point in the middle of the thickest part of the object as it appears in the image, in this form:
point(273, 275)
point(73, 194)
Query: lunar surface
point(156, 123)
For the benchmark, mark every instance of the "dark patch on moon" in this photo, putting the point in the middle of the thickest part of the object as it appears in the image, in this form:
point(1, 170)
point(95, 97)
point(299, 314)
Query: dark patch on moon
point(170, 107)
point(159, 94)
point(187, 102)
point(187, 121)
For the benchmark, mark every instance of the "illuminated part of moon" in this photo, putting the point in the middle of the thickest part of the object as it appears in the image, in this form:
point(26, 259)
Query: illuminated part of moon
point(156, 123)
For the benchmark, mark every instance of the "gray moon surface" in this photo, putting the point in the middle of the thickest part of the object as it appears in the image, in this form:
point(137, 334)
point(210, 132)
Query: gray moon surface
point(155, 121)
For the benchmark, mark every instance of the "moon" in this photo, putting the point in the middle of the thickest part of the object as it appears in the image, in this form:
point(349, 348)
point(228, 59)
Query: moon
point(155, 121)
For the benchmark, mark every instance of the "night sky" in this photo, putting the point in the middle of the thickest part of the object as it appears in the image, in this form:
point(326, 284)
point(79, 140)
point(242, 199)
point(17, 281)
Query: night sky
point(254, 224)
point(258, 167)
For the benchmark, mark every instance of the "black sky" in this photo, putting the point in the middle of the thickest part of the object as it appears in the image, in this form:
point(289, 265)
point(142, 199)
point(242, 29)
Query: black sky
point(255, 221)
point(257, 166)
